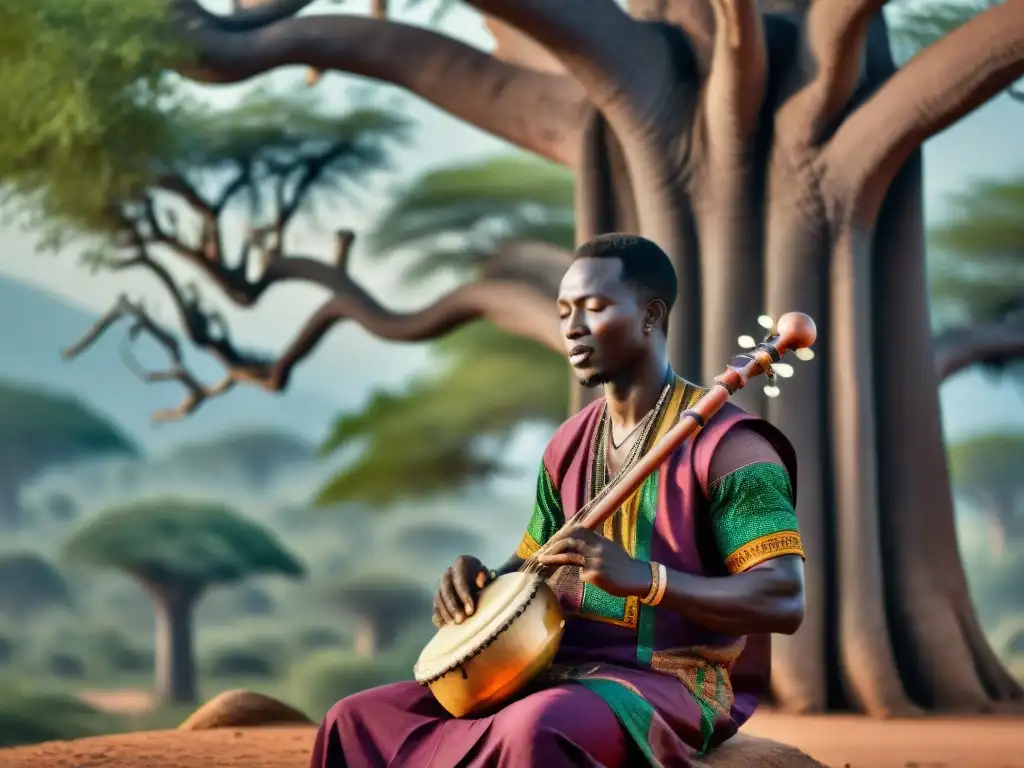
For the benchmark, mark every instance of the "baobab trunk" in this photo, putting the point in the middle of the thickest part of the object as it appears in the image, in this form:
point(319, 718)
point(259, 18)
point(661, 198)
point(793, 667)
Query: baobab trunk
point(883, 634)
point(173, 608)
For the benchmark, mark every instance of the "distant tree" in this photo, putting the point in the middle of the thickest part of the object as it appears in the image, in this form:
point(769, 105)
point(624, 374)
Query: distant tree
point(60, 507)
point(256, 454)
point(988, 472)
point(39, 429)
point(492, 219)
point(177, 551)
point(434, 538)
point(383, 606)
point(30, 583)
point(977, 279)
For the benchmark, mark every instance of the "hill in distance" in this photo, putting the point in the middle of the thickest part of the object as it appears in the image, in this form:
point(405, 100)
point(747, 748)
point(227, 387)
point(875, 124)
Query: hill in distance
point(39, 325)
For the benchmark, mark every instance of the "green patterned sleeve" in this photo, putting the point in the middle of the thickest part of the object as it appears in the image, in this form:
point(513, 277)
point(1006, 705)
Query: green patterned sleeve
point(547, 515)
point(752, 511)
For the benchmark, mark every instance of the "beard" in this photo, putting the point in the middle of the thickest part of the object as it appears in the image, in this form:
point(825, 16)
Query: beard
point(595, 380)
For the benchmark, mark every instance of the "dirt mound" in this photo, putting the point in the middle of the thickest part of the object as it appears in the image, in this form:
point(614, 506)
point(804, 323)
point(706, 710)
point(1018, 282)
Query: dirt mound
point(744, 751)
point(242, 709)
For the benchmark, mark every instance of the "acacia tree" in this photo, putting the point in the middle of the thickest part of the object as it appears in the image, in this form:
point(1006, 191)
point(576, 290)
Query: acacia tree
point(773, 151)
point(272, 160)
point(40, 430)
point(177, 551)
point(29, 584)
point(382, 606)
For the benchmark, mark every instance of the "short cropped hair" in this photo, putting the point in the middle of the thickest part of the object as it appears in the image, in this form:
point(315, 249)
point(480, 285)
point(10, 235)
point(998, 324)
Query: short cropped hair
point(645, 266)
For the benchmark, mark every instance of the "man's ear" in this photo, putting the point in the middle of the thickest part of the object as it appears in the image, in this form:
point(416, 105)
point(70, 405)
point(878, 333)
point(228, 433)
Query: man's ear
point(657, 314)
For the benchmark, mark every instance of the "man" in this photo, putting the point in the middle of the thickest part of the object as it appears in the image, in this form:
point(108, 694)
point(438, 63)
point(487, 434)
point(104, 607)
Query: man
point(669, 606)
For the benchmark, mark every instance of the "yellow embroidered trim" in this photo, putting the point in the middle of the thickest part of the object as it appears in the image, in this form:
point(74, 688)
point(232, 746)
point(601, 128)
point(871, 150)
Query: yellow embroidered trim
point(527, 547)
point(764, 548)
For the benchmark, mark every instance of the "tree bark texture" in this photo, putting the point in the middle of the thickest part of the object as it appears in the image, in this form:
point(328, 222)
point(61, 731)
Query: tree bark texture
point(173, 608)
point(774, 155)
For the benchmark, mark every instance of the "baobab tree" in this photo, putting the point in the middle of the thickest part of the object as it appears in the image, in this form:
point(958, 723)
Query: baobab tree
point(177, 551)
point(773, 151)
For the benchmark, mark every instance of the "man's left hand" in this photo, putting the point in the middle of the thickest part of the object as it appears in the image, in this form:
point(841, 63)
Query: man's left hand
point(602, 562)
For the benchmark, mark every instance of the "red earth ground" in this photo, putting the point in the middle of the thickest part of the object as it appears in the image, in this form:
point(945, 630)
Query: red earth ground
point(837, 741)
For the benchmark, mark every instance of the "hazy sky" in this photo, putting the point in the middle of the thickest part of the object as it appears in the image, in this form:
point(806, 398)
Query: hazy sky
point(350, 363)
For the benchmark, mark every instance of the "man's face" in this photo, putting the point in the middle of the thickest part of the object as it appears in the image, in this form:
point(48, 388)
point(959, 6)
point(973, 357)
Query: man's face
point(602, 320)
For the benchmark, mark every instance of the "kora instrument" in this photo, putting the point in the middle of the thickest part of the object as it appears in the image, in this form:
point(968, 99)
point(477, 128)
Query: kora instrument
point(515, 630)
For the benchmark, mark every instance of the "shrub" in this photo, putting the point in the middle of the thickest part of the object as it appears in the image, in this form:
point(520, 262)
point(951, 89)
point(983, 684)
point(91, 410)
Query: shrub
point(28, 718)
point(318, 681)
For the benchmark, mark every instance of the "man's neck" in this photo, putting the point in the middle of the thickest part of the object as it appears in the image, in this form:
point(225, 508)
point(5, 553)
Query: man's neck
point(631, 398)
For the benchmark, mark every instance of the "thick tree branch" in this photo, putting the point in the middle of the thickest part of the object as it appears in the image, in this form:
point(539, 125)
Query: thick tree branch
point(536, 111)
point(625, 66)
point(961, 348)
point(832, 60)
point(947, 80)
point(514, 305)
point(735, 87)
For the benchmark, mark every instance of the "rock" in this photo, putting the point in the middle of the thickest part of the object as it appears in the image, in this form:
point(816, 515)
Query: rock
point(743, 751)
point(242, 709)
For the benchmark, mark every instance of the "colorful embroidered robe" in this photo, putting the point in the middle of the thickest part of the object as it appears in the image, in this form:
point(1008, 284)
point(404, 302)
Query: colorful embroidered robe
point(676, 687)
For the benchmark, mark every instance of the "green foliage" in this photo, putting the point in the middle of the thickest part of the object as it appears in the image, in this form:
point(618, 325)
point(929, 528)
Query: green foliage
point(193, 544)
point(428, 438)
point(452, 218)
point(268, 137)
point(98, 120)
point(444, 430)
point(987, 462)
point(35, 424)
point(29, 583)
point(977, 274)
point(319, 680)
point(243, 660)
point(89, 113)
point(29, 717)
point(387, 599)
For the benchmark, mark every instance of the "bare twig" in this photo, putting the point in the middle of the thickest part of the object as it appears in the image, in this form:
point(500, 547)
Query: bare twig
point(142, 323)
point(518, 306)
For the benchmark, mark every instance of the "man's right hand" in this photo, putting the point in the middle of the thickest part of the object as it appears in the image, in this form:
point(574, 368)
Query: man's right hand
point(457, 593)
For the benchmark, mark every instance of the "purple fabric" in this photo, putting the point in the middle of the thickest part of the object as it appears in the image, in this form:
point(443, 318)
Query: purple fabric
point(402, 726)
